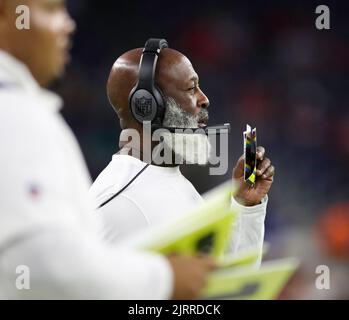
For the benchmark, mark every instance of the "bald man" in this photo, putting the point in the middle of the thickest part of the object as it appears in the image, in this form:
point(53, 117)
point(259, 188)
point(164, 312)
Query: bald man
point(50, 245)
point(155, 193)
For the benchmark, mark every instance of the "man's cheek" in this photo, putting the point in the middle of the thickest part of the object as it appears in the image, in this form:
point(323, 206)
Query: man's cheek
point(45, 35)
point(41, 21)
point(190, 107)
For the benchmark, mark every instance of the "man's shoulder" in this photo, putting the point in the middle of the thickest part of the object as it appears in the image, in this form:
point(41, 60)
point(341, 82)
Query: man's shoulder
point(18, 104)
point(14, 100)
point(120, 168)
point(27, 119)
point(147, 186)
point(115, 175)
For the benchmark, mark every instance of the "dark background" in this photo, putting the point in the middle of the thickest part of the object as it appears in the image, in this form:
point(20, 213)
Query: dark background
point(260, 62)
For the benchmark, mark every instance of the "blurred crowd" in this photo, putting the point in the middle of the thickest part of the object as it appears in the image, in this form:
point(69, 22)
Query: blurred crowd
point(262, 63)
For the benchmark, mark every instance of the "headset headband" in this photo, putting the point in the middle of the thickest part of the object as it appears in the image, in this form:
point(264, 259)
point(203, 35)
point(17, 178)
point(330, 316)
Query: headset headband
point(148, 62)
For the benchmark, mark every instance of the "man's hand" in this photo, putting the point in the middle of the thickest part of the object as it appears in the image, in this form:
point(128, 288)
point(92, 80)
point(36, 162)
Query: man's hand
point(190, 274)
point(265, 175)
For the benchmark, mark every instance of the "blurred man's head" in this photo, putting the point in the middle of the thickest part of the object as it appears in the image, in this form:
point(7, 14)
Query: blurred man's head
point(186, 104)
point(44, 48)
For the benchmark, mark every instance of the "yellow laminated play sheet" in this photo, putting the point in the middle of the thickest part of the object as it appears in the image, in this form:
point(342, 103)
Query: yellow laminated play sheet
point(250, 256)
point(248, 283)
point(206, 229)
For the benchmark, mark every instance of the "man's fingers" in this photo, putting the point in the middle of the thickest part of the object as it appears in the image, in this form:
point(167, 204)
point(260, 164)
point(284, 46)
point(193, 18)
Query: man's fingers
point(263, 166)
point(269, 173)
point(260, 153)
point(190, 274)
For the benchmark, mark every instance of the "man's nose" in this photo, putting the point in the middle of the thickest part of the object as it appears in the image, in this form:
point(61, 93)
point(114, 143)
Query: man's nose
point(203, 101)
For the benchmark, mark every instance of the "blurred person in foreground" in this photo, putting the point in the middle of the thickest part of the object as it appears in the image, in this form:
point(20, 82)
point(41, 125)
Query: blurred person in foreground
point(157, 192)
point(46, 222)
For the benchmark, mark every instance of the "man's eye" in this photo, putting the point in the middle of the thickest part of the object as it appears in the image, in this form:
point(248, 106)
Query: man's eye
point(191, 89)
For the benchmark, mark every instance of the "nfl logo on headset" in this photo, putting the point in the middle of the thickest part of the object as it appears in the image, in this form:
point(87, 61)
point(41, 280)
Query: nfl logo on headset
point(143, 106)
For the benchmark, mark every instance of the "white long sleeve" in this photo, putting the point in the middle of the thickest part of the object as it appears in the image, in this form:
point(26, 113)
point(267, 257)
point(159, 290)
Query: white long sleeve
point(145, 203)
point(66, 264)
point(248, 228)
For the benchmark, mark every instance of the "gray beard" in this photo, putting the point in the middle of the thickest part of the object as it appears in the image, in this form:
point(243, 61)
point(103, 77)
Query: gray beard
point(175, 116)
point(188, 148)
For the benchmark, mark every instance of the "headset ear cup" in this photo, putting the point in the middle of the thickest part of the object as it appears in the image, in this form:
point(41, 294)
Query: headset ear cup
point(143, 105)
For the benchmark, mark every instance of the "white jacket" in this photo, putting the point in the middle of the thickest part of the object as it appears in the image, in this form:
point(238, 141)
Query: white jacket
point(46, 221)
point(160, 194)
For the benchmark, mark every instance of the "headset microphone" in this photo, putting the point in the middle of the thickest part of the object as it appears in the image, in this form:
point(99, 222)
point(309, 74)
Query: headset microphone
point(207, 130)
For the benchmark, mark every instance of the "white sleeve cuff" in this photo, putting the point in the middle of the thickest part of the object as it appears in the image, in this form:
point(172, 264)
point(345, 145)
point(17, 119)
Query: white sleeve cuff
point(259, 209)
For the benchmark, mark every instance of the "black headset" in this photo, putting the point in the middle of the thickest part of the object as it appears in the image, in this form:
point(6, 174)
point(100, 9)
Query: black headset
point(146, 101)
